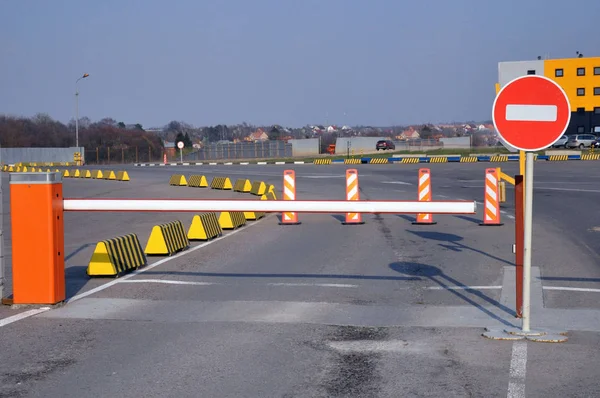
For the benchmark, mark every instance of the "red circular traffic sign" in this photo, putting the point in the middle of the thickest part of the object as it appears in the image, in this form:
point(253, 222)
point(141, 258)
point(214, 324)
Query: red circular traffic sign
point(531, 112)
point(180, 145)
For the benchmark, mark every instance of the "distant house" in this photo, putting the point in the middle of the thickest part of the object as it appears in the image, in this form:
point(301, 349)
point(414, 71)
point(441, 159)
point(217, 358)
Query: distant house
point(410, 134)
point(258, 136)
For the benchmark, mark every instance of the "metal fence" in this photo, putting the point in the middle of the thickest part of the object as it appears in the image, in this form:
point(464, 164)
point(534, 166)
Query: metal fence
point(108, 155)
point(242, 150)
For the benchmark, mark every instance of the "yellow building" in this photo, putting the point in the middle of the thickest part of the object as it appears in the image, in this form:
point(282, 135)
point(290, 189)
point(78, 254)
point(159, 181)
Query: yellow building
point(579, 77)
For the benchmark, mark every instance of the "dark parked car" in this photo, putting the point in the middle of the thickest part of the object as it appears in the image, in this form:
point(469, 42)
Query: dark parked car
point(385, 144)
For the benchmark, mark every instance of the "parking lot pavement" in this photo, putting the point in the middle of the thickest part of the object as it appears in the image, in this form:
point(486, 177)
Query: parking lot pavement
point(320, 309)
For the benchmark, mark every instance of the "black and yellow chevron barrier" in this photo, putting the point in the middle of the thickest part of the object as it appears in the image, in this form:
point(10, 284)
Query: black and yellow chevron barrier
point(178, 180)
point(242, 185)
point(113, 257)
point(499, 158)
point(268, 196)
point(438, 159)
point(122, 176)
point(322, 161)
point(258, 188)
point(410, 160)
point(197, 181)
point(231, 219)
point(204, 227)
point(109, 175)
point(468, 159)
point(379, 161)
point(590, 156)
point(221, 183)
point(352, 161)
point(96, 174)
point(167, 239)
point(558, 157)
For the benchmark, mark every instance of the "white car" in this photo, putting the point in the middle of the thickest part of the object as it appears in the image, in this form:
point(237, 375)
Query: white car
point(561, 143)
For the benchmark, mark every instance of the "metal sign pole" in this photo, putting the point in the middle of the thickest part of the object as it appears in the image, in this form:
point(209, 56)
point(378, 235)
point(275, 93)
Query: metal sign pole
point(181, 154)
point(528, 232)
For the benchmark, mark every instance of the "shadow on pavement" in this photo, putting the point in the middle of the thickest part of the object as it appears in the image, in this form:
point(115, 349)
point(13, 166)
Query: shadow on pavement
point(407, 218)
point(567, 279)
point(437, 276)
point(75, 279)
point(455, 241)
point(470, 219)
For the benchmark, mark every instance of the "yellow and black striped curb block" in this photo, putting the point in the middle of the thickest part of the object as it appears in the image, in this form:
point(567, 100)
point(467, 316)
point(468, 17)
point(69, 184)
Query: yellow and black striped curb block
point(558, 157)
point(231, 219)
point(258, 188)
point(268, 196)
point(221, 183)
point(468, 159)
point(167, 239)
point(197, 181)
point(352, 161)
point(322, 161)
point(590, 156)
point(242, 185)
point(499, 158)
point(109, 175)
point(379, 161)
point(438, 159)
point(410, 160)
point(113, 257)
point(96, 174)
point(204, 227)
point(178, 180)
point(122, 176)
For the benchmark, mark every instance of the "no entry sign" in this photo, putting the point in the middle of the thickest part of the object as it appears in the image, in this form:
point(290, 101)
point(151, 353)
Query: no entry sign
point(531, 112)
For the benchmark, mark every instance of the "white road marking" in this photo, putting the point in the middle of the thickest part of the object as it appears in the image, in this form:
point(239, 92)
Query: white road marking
point(518, 367)
point(396, 182)
point(156, 264)
point(167, 282)
point(22, 315)
point(463, 287)
point(531, 113)
point(314, 284)
point(568, 189)
point(572, 289)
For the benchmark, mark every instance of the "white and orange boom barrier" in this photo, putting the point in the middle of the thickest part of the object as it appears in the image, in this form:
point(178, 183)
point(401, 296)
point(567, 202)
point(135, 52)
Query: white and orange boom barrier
point(289, 193)
point(352, 193)
point(491, 205)
point(39, 276)
point(424, 196)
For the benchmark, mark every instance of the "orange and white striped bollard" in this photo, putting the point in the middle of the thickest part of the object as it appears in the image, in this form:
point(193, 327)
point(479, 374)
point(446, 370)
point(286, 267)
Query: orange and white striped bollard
point(352, 193)
point(424, 196)
point(491, 205)
point(289, 193)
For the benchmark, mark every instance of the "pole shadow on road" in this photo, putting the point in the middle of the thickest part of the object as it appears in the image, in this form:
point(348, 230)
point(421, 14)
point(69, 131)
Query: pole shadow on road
point(455, 243)
point(437, 276)
point(75, 275)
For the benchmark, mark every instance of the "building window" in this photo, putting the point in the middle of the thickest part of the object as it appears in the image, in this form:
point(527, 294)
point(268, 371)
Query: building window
point(580, 92)
point(580, 71)
point(597, 110)
point(580, 110)
point(581, 129)
point(558, 73)
point(531, 72)
point(596, 90)
point(597, 70)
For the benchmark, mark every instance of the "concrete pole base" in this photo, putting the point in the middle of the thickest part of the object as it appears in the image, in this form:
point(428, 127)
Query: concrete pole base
point(537, 335)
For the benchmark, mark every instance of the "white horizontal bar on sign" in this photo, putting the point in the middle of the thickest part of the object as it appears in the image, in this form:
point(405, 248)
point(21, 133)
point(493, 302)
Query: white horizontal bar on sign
point(531, 113)
point(300, 206)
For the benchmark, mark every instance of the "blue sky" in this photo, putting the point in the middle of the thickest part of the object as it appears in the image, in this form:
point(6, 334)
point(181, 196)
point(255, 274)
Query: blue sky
point(290, 62)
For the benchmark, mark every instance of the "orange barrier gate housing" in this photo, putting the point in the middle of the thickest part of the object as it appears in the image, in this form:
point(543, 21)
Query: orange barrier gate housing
point(352, 194)
point(289, 193)
point(38, 263)
point(491, 205)
point(424, 196)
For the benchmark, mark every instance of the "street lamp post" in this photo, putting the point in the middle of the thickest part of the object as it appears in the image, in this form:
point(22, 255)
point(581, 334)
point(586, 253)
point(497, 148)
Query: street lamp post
point(77, 110)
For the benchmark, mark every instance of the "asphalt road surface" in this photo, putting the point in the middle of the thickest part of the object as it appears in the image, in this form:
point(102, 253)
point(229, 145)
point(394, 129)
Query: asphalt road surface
point(321, 309)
